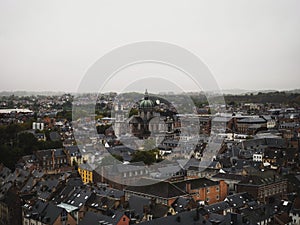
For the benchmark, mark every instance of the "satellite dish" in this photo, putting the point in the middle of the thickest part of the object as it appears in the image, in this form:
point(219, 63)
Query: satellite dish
point(157, 102)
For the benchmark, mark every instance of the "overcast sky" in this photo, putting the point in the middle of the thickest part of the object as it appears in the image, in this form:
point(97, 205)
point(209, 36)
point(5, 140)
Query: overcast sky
point(49, 45)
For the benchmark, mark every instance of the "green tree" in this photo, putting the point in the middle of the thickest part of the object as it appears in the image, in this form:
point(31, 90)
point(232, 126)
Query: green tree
point(148, 157)
point(133, 111)
point(28, 142)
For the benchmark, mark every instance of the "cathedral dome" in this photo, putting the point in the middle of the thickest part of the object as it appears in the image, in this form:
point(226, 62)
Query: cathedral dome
point(146, 102)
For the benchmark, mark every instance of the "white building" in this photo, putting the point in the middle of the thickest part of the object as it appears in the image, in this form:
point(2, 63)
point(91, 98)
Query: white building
point(37, 126)
point(257, 157)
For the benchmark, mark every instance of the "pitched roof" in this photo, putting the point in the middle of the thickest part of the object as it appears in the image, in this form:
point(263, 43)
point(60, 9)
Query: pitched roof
point(161, 189)
point(44, 212)
point(51, 213)
point(184, 218)
point(78, 198)
point(238, 200)
point(196, 183)
point(217, 207)
point(258, 180)
point(95, 218)
point(87, 166)
point(252, 120)
point(228, 176)
point(137, 203)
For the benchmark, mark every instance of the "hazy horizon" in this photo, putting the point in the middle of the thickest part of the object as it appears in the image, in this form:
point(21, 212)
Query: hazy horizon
point(248, 45)
point(225, 91)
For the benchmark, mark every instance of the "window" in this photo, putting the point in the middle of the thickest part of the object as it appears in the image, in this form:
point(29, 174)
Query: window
point(207, 190)
point(207, 199)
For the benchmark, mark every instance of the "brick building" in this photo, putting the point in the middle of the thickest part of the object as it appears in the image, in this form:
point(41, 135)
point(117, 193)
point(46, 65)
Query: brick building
point(51, 159)
point(166, 193)
point(263, 188)
point(205, 190)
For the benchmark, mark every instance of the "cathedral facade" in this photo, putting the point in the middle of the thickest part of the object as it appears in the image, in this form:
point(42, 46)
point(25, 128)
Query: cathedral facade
point(148, 122)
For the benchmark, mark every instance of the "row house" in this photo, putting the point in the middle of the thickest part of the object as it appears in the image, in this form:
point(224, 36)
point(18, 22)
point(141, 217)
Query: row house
point(118, 175)
point(204, 190)
point(263, 188)
point(250, 125)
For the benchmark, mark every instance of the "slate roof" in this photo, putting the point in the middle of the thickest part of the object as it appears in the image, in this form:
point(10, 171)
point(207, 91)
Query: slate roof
point(28, 185)
point(219, 119)
point(269, 142)
point(195, 163)
point(257, 180)
point(48, 153)
point(116, 169)
point(252, 120)
point(51, 213)
point(45, 187)
point(169, 170)
point(161, 189)
point(110, 192)
point(74, 150)
point(239, 200)
point(95, 218)
point(78, 198)
point(256, 214)
point(137, 204)
point(19, 176)
point(184, 218)
point(4, 172)
point(120, 148)
point(37, 173)
point(63, 194)
point(38, 207)
point(100, 202)
point(196, 183)
point(123, 151)
point(218, 207)
point(182, 203)
point(159, 210)
point(72, 185)
point(87, 166)
point(44, 212)
point(228, 176)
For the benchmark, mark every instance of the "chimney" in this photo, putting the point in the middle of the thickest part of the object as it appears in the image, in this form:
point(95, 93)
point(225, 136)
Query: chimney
point(188, 186)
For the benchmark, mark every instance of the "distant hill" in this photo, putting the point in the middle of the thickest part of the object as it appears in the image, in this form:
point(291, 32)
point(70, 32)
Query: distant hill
point(276, 97)
point(30, 93)
point(235, 91)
